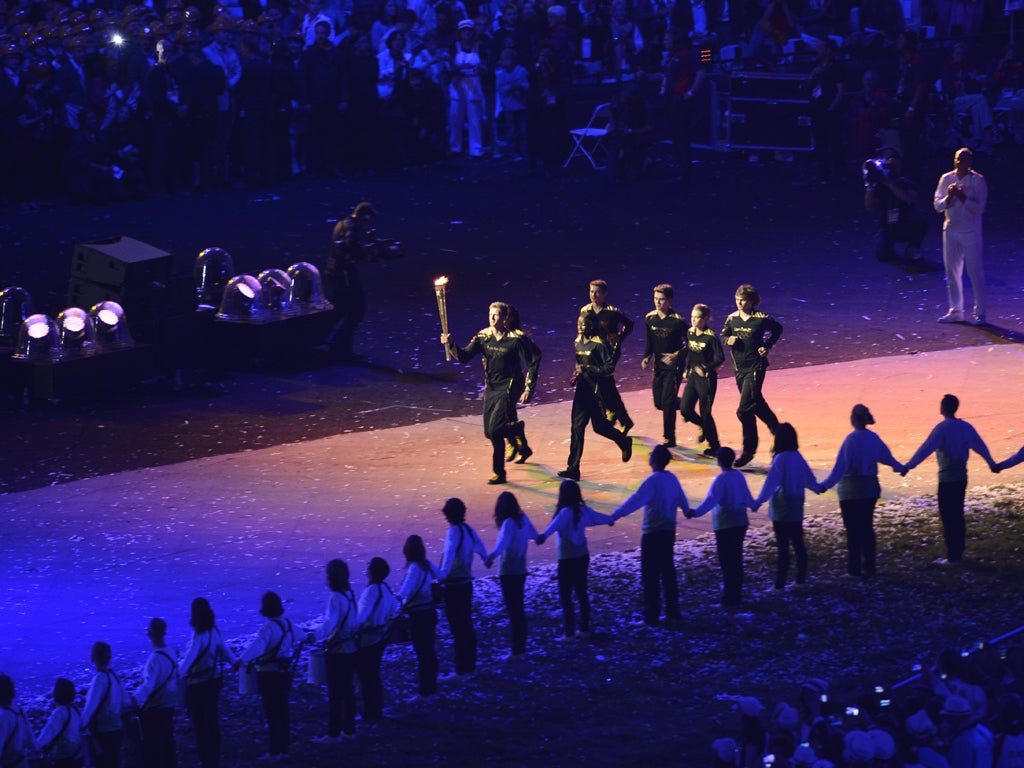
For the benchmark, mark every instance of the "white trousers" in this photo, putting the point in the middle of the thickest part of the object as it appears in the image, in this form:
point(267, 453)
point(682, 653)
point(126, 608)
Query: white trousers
point(959, 250)
point(466, 110)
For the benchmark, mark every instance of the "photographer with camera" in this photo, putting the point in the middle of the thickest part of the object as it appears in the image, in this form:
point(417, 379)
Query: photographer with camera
point(891, 196)
point(353, 242)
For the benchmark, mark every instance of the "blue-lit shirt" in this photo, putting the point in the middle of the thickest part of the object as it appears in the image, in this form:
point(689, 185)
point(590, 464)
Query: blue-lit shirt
point(951, 440)
point(513, 539)
point(661, 496)
point(784, 487)
point(728, 500)
point(572, 533)
point(856, 468)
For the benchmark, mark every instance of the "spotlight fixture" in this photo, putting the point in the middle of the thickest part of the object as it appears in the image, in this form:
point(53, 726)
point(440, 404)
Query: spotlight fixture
point(307, 286)
point(111, 326)
point(210, 274)
point(276, 284)
point(15, 307)
point(76, 331)
point(37, 339)
point(243, 297)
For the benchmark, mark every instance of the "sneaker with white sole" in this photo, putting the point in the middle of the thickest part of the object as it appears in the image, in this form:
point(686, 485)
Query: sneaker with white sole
point(952, 317)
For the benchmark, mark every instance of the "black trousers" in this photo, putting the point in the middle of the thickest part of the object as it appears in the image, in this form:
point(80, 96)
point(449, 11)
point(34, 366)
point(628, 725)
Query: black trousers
point(752, 407)
point(665, 388)
point(951, 510)
point(341, 693)
point(368, 661)
point(701, 390)
point(658, 574)
point(859, 520)
point(202, 701)
point(787, 534)
point(587, 407)
point(729, 542)
point(423, 627)
point(513, 589)
point(273, 688)
point(158, 748)
point(105, 748)
point(458, 608)
point(572, 580)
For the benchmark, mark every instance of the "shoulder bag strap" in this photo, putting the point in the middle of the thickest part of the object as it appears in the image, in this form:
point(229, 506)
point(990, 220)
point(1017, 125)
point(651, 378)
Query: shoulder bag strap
point(200, 656)
point(63, 729)
point(272, 653)
point(103, 700)
point(335, 636)
point(170, 676)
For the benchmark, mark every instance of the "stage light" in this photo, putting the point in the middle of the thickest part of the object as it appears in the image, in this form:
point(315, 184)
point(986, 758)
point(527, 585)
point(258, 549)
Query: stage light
point(15, 307)
point(37, 339)
point(243, 297)
point(76, 331)
point(307, 287)
point(212, 269)
point(111, 325)
point(276, 284)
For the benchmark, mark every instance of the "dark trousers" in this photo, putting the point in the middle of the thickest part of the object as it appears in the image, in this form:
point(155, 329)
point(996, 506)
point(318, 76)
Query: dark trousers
point(572, 579)
point(341, 693)
point(911, 232)
point(785, 535)
point(158, 748)
point(368, 662)
point(586, 407)
point(665, 388)
point(513, 589)
point(729, 542)
point(458, 608)
point(611, 400)
point(951, 510)
point(349, 300)
point(658, 574)
point(105, 748)
point(273, 687)
point(202, 701)
point(701, 390)
point(423, 627)
point(752, 407)
point(859, 519)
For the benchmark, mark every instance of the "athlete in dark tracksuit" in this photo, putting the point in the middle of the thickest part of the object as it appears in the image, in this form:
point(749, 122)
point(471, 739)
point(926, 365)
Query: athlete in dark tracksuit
point(503, 350)
point(750, 335)
point(704, 356)
point(594, 361)
point(666, 340)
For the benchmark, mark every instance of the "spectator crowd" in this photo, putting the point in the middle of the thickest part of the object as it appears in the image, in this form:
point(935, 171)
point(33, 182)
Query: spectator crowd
point(100, 101)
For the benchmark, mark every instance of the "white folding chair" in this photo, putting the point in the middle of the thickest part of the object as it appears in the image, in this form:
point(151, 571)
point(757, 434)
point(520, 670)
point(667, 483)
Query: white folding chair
point(589, 140)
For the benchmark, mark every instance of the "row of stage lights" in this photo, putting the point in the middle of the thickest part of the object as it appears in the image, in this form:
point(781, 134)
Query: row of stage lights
point(74, 333)
point(77, 332)
point(274, 292)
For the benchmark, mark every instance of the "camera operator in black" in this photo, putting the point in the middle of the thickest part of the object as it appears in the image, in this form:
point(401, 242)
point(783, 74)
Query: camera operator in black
point(613, 327)
point(892, 197)
point(666, 340)
point(352, 244)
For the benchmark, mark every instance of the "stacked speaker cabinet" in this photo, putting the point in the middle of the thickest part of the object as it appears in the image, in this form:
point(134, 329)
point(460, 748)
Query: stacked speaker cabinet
point(128, 271)
point(769, 111)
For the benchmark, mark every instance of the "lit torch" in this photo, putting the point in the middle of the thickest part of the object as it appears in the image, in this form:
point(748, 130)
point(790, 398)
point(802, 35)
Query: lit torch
point(442, 309)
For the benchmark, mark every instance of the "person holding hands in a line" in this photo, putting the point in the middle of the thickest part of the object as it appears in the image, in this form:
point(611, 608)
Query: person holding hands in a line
point(952, 440)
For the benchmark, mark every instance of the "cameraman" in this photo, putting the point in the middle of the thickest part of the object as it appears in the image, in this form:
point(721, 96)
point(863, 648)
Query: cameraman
point(892, 197)
point(352, 244)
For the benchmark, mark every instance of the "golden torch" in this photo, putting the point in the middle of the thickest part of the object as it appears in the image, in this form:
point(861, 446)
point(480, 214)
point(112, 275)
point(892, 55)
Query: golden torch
point(442, 309)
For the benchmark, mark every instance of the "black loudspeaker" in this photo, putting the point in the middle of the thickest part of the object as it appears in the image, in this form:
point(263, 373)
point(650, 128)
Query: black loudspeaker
point(128, 271)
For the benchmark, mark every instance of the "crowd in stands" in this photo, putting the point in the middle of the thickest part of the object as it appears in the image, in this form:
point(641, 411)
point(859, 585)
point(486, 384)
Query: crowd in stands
point(965, 711)
point(100, 101)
